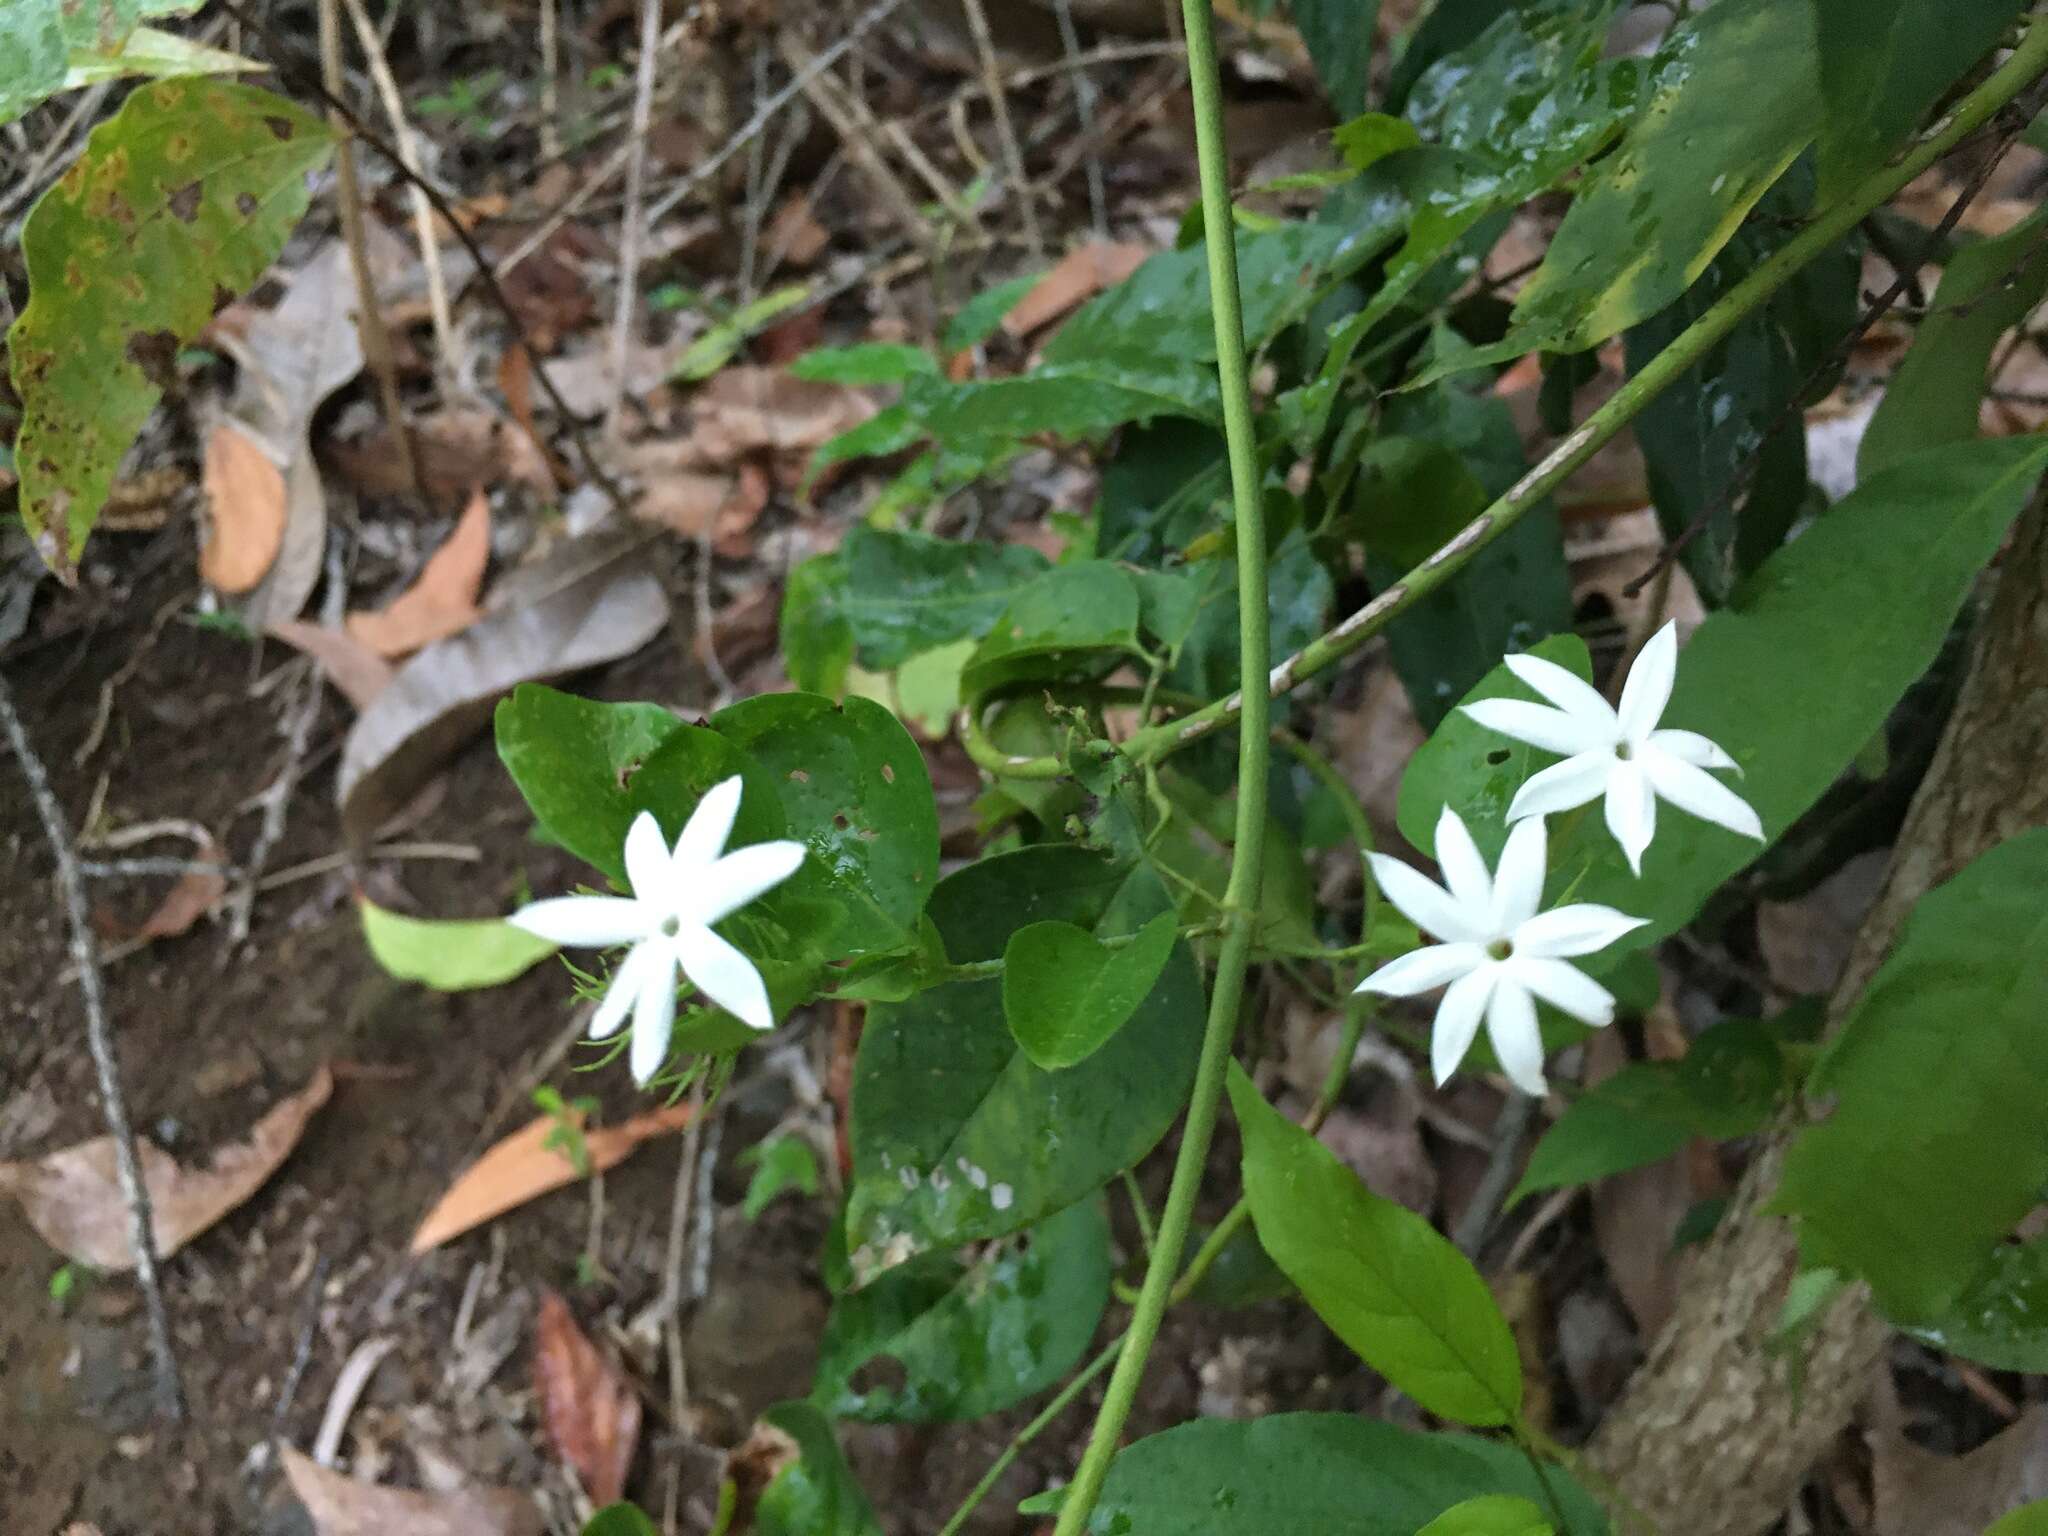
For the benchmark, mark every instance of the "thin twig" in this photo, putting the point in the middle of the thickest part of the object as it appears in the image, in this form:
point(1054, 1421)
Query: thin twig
point(302, 1354)
point(1006, 131)
point(550, 81)
point(1509, 1130)
point(630, 227)
point(276, 800)
point(825, 95)
point(672, 1283)
point(355, 1375)
point(369, 312)
point(1084, 109)
point(99, 1039)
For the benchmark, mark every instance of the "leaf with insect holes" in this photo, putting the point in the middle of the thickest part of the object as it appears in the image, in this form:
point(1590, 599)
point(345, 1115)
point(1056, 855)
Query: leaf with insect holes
point(184, 195)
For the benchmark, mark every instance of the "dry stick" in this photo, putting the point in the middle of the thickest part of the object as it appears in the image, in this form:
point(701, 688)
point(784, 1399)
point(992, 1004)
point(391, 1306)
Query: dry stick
point(672, 1273)
point(1084, 109)
point(409, 151)
point(369, 313)
point(550, 72)
point(362, 131)
point(1006, 131)
point(824, 95)
point(99, 1039)
point(630, 228)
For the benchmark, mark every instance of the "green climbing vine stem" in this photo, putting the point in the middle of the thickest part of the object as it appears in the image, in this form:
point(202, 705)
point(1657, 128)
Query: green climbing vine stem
point(1241, 893)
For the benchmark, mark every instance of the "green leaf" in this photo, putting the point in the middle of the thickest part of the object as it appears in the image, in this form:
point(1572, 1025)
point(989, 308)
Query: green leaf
point(854, 789)
point(956, 1135)
point(1492, 1514)
point(1338, 36)
point(1065, 992)
point(1372, 136)
point(1934, 394)
point(817, 638)
point(185, 194)
point(42, 41)
point(980, 315)
point(928, 686)
point(1386, 1282)
point(1938, 1077)
point(1883, 64)
point(815, 1495)
point(904, 593)
point(781, 1164)
point(871, 362)
point(2027, 1520)
point(969, 1339)
point(158, 54)
point(1731, 106)
point(1313, 1474)
point(620, 1520)
point(1864, 599)
point(718, 345)
point(573, 760)
point(2001, 1320)
point(1069, 611)
point(449, 956)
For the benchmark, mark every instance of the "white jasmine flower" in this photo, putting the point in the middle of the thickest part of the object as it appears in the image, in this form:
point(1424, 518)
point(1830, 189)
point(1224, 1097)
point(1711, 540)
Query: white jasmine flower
point(1496, 951)
point(1618, 753)
point(676, 898)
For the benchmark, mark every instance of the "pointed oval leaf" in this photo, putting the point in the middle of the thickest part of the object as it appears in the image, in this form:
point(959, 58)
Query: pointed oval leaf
point(1065, 992)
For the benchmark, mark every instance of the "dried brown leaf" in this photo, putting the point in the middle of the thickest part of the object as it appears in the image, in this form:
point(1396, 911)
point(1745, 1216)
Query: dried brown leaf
point(1076, 277)
point(588, 1408)
point(73, 1197)
point(747, 409)
point(794, 234)
point(190, 899)
point(456, 450)
point(523, 1167)
point(245, 511)
point(1919, 1493)
point(342, 1506)
point(359, 672)
point(442, 602)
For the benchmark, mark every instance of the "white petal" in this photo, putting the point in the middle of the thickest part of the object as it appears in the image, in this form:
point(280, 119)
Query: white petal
point(1564, 785)
point(1457, 1020)
point(1631, 810)
point(1575, 930)
point(1570, 693)
point(742, 875)
point(725, 976)
point(1464, 870)
point(1518, 882)
point(1565, 986)
point(623, 991)
point(1538, 724)
point(654, 1013)
point(1511, 1026)
point(590, 922)
point(1424, 970)
point(1693, 789)
point(1425, 903)
point(1648, 688)
point(709, 826)
point(1691, 747)
point(646, 857)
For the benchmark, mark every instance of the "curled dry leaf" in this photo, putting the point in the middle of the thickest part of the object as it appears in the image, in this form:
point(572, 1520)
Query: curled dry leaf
point(456, 450)
point(531, 1162)
point(587, 602)
point(359, 672)
point(190, 899)
point(73, 1197)
point(245, 505)
point(340, 1505)
point(1919, 1493)
point(442, 602)
point(1076, 277)
point(589, 1410)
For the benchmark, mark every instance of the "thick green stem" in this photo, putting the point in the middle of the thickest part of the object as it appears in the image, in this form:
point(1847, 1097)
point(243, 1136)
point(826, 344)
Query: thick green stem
point(1241, 894)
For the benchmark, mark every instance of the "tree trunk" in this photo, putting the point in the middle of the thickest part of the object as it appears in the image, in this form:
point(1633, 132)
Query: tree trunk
point(1708, 1440)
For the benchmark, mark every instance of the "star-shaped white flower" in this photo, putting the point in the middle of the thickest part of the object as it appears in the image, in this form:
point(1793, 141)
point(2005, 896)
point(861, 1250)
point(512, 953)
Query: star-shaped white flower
point(1618, 753)
point(1497, 952)
point(676, 898)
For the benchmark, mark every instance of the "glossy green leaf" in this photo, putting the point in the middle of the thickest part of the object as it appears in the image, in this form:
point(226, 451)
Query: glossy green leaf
point(1385, 1281)
point(1370, 137)
point(815, 1495)
point(1884, 64)
point(967, 1339)
point(2001, 1319)
point(817, 638)
point(1314, 1474)
point(449, 956)
point(1339, 37)
point(186, 194)
point(956, 1135)
point(620, 1520)
point(2027, 1520)
point(1065, 992)
point(1066, 613)
point(980, 315)
point(901, 593)
point(782, 1165)
point(1864, 599)
point(1492, 1514)
point(869, 362)
point(157, 54)
point(1934, 394)
point(722, 341)
point(573, 760)
point(1938, 1077)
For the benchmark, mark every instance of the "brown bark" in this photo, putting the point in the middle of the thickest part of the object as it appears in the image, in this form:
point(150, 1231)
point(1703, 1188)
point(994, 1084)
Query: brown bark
point(1708, 1440)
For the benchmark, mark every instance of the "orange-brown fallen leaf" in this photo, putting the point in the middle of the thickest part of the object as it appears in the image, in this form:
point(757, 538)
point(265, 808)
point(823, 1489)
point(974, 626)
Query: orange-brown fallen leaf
point(245, 495)
point(589, 1410)
point(1077, 276)
point(359, 672)
point(443, 600)
point(73, 1197)
point(343, 1506)
point(745, 409)
point(522, 1167)
point(190, 899)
